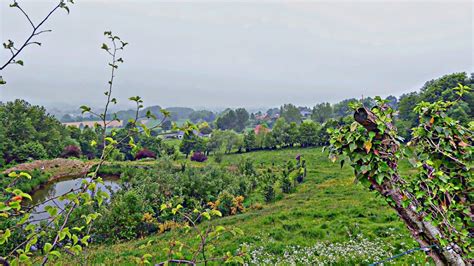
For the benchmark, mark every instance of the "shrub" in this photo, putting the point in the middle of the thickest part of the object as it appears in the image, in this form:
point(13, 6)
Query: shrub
point(218, 157)
point(269, 193)
point(198, 157)
point(145, 153)
point(286, 186)
point(71, 151)
point(30, 150)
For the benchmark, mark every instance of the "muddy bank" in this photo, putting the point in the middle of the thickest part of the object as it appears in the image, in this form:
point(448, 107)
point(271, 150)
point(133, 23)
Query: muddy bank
point(58, 168)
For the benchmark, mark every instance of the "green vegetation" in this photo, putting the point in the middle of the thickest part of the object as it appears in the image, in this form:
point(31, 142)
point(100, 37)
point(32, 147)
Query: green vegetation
point(326, 208)
point(281, 202)
point(435, 203)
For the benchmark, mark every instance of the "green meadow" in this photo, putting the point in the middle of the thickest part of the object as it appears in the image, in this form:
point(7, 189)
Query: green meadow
point(328, 216)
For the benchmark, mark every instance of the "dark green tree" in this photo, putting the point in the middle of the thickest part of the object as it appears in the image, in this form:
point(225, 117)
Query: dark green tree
point(308, 134)
point(322, 112)
point(250, 140)
point(291, 113)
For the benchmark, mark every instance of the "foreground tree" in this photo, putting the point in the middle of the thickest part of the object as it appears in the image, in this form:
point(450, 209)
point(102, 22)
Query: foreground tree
point(436, 203)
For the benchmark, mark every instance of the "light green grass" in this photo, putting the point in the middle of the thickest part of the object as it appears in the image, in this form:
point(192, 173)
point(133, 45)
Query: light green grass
point(327, 207)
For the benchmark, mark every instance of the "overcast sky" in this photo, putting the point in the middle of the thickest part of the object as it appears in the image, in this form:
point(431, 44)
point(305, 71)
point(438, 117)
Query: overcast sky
point(250, 54)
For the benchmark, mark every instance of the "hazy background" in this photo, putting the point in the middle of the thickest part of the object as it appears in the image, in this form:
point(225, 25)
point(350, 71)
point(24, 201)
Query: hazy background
point(249, 54)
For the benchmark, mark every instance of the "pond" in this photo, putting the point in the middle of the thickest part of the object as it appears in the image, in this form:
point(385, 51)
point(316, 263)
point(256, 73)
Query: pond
point(59, 187)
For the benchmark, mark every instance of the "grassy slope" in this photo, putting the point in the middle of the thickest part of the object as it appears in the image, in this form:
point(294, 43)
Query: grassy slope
point(328, 206)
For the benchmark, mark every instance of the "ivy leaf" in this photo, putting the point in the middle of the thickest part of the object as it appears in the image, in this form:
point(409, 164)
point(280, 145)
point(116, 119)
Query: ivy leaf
point(354, 126)
point(47, 247)
point(367, 146)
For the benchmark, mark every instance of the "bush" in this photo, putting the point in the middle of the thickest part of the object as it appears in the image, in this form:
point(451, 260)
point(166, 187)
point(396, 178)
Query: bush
point(218, 157)
point(286, 186)
point(269, 193)
point(71, 151)
point(30, 150)
point(198, 157)
point(145, 153)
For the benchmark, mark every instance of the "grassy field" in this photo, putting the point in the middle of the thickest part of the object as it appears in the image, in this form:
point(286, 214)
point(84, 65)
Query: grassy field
point(327, 209)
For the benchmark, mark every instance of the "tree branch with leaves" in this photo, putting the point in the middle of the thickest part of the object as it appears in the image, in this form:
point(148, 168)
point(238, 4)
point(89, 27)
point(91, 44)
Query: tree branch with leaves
point(35, 31)
point(436, 203)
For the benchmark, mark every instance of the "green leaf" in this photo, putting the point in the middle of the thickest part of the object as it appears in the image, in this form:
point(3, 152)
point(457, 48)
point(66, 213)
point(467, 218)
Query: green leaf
point(20, 62)
point(216, 213)
point(47, 247)
point(55, 253)
point(85, 108)
point(207, 215)
point(354, 126)
point(367, 146)
point(25, 175)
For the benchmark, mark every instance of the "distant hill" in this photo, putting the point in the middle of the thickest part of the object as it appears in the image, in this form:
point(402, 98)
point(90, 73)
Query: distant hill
point(179, 113)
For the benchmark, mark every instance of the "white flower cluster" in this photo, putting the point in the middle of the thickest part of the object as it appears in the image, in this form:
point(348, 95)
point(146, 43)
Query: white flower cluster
point(355, 251)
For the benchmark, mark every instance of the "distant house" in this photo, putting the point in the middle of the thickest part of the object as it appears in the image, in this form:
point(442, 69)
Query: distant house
point(261, 129)
point(305, 113)
point(180, 135)
point(113, 123)
point(262, 117)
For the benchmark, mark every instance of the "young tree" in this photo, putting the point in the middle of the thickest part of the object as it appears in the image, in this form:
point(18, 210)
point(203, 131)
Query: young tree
point(434, 203)
point(242, 117)
point(308, 134)
point(250, 141)
point(292, 134)
point(280, 131)
point(189, 143)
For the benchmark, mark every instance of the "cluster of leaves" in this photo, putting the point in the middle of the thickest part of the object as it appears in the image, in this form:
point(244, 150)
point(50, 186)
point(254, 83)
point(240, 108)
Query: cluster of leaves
point(203, 251)
point(443, 154)
point(441, 149)
point(199, 157)
point(145, 153)
point(28, 132)
point(432, 91)
point(71, 151)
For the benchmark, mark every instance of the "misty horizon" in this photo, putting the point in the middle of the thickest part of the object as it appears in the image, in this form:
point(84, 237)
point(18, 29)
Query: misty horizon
point(252, 55)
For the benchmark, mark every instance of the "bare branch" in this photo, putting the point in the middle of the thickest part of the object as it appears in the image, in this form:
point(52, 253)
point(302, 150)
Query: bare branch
point(26, 15)
point(33, 33)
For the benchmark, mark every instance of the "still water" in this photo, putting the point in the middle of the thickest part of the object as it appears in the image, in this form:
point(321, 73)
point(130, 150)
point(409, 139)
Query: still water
point(61, 186)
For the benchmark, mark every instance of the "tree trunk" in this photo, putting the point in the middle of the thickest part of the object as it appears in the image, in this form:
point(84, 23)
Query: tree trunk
point(423, 231)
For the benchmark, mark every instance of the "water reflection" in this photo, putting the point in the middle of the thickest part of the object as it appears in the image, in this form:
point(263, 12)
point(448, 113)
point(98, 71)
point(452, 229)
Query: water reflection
point(62, 186)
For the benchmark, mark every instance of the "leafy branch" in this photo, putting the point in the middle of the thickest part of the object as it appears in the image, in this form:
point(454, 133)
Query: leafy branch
point(36, 30)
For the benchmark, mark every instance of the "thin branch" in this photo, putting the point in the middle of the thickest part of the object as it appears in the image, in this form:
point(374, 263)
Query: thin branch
point(26, 15)
point(33, 33)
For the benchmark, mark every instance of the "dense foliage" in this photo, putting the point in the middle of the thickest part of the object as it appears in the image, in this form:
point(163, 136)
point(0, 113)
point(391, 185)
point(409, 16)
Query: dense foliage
point(28, 131)
point(435, 204)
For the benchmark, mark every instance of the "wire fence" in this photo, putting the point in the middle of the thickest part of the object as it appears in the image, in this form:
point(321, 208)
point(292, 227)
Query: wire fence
point(425, 249)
